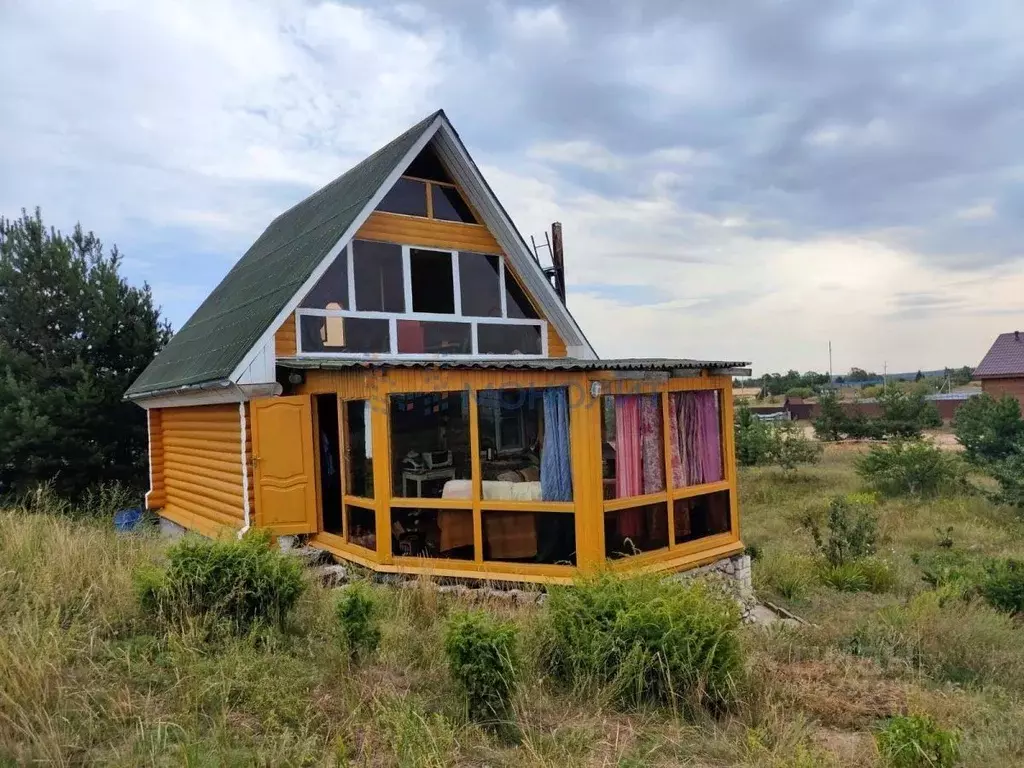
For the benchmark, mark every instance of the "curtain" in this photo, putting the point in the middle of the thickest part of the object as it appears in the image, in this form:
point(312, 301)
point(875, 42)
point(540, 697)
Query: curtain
point(555, 458)
point(696, 437)
point(651, 442)
point(628, 457)
point(675, 449)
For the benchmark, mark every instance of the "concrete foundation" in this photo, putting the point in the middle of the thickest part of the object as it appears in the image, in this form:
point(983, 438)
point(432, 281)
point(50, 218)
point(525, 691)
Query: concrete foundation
point(171, 529)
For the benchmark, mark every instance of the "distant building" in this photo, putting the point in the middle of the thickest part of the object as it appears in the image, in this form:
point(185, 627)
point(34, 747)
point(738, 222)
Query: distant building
point(1001, 372)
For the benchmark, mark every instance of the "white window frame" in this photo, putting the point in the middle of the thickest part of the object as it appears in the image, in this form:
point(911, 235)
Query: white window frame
point(473, 321)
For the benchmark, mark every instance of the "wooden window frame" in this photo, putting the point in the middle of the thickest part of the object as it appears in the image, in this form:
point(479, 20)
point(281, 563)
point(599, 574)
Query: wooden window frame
point(476, 503)
point(671, 494)
point(474, 321)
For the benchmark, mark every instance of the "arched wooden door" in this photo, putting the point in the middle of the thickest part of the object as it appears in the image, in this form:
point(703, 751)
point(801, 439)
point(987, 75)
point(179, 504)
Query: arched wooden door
point(282, 454)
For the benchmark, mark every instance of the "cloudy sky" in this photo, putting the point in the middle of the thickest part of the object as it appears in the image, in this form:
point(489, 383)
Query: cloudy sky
point(736, 179)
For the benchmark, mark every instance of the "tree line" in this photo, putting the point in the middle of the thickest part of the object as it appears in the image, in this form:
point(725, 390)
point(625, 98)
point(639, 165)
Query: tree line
point(74, 334)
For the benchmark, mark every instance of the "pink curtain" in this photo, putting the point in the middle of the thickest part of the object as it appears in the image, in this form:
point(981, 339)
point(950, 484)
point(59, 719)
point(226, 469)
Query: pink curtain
point(678, 475)
point(651, 440)
point(697, 441)
point(628, 461)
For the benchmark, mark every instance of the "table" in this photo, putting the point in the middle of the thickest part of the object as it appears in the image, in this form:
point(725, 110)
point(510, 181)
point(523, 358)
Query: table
point(442, 473)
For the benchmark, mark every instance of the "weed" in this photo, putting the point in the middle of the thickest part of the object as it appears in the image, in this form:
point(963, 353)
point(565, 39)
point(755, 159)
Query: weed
point(917, 741)
point(1003, 585)
point(790, 576)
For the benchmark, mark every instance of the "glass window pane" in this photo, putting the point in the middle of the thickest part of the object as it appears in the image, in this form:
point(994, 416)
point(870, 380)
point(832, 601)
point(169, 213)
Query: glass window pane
point(529, 537)
point(480, 284)
point(328, 436)
point(433, 287)
point(632, 446)
point(517, 302)
point(701, 516)
point(331, 291)
point(408, 196)
point(362, 526)
point(434, 338)
point(495, 339)
point(430, 445)
point(428, 165)
point(449, 205)
point(378, 276)
point(636, 530)
point(344, 334)
point(524, 443)
point(358, 449)
point(695, 424)
point(444, 533)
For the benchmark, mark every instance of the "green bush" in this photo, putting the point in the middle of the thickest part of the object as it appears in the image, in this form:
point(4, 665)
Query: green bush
point(245, 581)
point(910, 467)
point(1009, 473)
point(356, 612)
point(831, 422)
point(909, 408)
point(989, 429)
point(788, 447)
point(1002, 586)
point(917, 741)
point(790, 576)
point(753, 440)
point(645, 641)
point(852, 529)
point(481, 655)
point(950, 569)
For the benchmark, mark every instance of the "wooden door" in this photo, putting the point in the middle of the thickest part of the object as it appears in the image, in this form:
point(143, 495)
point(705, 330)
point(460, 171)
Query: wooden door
point(282, 446)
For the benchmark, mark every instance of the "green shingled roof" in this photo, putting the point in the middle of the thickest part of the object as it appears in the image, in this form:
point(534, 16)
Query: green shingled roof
point(226, 326)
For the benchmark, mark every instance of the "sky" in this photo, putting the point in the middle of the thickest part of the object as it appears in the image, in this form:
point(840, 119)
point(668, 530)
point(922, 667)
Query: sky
point(736, 180)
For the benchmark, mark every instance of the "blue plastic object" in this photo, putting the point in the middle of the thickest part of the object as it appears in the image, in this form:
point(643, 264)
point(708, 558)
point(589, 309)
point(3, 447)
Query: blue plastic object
point(127, 519)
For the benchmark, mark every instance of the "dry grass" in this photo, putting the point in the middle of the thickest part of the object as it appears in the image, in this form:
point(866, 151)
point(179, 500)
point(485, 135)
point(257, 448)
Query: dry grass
point(87, 679)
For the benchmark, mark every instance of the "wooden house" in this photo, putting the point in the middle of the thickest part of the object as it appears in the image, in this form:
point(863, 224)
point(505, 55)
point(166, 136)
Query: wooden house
point(389, 372)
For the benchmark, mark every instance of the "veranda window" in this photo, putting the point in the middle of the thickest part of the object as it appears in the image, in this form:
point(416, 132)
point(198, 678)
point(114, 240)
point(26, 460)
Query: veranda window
point(458, 497)
point(643, 482)
point(360, 522)
point(388, 299)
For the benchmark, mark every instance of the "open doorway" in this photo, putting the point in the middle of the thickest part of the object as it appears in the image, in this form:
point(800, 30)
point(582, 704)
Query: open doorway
point(330, 462)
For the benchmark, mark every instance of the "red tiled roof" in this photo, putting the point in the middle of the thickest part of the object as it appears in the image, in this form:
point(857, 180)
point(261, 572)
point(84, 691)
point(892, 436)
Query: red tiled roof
point(1005, 358)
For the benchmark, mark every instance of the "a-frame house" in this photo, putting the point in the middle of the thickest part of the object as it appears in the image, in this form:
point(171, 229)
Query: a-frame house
point(389, 372)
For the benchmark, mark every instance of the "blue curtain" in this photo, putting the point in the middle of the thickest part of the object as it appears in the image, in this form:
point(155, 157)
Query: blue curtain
point(556, 461)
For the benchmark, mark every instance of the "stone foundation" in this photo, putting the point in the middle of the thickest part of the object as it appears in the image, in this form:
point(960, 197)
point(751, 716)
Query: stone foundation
point(732, 574)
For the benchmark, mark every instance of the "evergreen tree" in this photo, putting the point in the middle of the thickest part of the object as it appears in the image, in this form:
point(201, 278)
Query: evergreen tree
point(73, 336)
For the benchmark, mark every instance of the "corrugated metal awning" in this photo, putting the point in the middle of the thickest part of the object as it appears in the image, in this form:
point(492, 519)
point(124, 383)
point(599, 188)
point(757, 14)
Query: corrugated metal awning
point(531, 364)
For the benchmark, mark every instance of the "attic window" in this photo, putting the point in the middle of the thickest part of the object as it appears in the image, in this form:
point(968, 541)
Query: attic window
point(428, 166)
point(449, 205)
point(408, 196)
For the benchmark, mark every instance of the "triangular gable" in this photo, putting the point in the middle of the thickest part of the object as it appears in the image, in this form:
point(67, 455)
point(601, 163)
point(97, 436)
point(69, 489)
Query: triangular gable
point(228, 337)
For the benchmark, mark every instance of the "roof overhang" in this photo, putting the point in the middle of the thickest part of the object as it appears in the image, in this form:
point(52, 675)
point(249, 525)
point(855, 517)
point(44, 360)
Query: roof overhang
point(207, 393)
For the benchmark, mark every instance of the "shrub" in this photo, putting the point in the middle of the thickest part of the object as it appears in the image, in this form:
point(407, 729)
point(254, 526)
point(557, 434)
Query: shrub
point(911, 467)
point(950, 569)
point(789, 447)
point(753, 440)
point(989, 429)
point(917, 741)
point(244, 581)
point(645, 641)
point(831, 421)
point(356, 612)
point(852, 529)
point(481, 658)
point(1003, 585)
point(1009, 473)
point(909, 409)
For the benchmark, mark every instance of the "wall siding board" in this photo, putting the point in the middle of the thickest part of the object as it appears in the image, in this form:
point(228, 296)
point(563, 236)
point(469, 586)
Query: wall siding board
point(202, 467)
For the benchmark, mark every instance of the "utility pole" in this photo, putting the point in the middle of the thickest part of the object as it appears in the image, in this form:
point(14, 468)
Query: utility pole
point(830, 362)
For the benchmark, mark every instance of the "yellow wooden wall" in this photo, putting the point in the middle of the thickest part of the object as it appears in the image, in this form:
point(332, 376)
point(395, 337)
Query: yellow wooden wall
point(413, 230)
point(157, 495)
point(201, 472)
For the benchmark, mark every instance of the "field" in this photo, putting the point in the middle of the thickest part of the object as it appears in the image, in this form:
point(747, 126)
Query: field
point(86, 679)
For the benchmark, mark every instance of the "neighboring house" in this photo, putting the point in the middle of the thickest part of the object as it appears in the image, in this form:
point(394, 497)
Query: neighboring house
point(1001, 372)
point(389, 372)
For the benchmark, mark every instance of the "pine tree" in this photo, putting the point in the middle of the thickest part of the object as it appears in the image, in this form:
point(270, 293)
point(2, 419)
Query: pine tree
point(73, 336)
